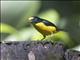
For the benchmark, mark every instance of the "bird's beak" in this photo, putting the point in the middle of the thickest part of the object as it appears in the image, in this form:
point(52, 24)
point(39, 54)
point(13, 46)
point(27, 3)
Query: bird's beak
point(31, 18)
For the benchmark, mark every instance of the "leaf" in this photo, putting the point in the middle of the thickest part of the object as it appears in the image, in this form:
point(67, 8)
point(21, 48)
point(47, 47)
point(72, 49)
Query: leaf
point(37, 36)
point(5, 28)
point(23, 35)
point(51, 15)
point(62, 36)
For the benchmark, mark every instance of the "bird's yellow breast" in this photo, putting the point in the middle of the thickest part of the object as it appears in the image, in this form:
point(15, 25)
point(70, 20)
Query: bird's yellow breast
point(44, 29)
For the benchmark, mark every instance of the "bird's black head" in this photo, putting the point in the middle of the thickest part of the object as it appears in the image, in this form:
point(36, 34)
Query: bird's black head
point(35, 19)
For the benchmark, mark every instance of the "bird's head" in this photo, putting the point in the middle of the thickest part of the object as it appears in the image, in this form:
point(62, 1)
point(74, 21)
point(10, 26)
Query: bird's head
point(35, 19)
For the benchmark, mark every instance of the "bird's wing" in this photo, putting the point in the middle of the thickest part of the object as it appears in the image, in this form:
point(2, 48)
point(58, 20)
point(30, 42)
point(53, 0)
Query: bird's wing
point(48, 23)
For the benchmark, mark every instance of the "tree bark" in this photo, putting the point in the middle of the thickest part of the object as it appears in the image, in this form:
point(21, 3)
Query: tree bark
point(37, 50)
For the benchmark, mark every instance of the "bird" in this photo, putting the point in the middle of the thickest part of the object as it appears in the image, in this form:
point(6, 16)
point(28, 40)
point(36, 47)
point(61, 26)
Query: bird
point(45, 27)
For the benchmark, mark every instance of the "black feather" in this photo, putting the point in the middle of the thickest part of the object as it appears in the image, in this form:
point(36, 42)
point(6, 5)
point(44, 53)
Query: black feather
point(48, 23)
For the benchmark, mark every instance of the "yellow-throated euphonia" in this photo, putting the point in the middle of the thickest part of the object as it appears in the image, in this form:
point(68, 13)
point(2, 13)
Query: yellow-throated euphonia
point(45, 27)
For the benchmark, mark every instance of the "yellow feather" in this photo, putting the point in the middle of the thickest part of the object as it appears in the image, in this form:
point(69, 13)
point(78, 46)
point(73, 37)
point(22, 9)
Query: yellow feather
point(45, 30)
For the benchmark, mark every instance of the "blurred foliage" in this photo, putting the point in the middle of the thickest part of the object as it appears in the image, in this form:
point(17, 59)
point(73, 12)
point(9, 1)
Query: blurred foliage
point(16, 13)
point(5, 28)
point(65, 15)
point(51, 15)
point(64, 37)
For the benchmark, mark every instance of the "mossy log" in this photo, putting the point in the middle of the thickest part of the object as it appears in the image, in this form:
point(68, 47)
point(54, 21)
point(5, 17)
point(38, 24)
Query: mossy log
point(37, 50)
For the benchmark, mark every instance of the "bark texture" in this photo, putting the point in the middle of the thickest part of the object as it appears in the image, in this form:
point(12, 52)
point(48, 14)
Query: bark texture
point(37, 50)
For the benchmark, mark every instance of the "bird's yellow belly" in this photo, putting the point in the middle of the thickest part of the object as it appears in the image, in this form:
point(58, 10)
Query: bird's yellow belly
point(45, 30)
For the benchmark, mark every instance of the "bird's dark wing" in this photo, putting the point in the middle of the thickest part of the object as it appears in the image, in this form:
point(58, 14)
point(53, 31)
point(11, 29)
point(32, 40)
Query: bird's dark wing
point(48, 23)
